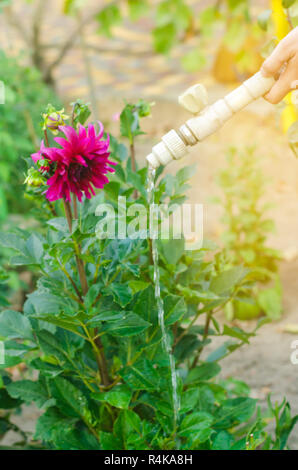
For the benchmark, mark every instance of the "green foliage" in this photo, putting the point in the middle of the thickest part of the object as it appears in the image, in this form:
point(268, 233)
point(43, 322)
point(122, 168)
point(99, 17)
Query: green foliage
point(19, 137)
point(96, 365)
point(25, 94)
point(245, 236)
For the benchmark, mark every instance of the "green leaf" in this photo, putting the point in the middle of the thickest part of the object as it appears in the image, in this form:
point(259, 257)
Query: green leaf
point(223, 441)
point(107, 18)
point(141, 375)
point(174, 308)
point(197, 426)
point(60, 224)
point(30, 391)
point(7, 402)
point(228, 279)
point(270, 301)
point(35, 248)
point(129, 325)
point(51, 346)
point(288, 3)
point(109, 315)
point(285, 425)
point(194, 60)
point(46, 369)
point(128, 424)
point(15, 325)
point(121, 293)
point(109, 442)
point(203, 372)
point(66, 322)
point(164, 38)
point(172, 250)
point(3, 205)
point(189, 400)
point(45, 302)
point(72, 396)
point(233, 411)
point(119, 397)
point(236, 332)
point(129, 123)
point(145, 305)
point(11, 240)
point(137, 286)
point(137, 8)
point(263, 19)
point(184, 174)
point(52, 425)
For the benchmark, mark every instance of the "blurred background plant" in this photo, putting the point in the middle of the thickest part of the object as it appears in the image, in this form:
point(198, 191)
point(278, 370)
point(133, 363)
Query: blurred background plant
point(246, 232)
point(19, 130)
point(240, 32)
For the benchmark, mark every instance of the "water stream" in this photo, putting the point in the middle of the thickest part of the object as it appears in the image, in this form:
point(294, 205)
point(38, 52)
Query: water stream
point(160, 306)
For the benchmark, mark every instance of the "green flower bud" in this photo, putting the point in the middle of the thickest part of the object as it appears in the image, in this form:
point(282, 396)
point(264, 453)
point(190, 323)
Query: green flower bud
point(34, 178)
point(53, 118)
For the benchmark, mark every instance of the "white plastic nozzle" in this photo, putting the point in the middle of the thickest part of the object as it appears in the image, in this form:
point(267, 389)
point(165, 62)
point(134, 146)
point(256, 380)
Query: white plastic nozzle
point(194, 99)
point(174, 144)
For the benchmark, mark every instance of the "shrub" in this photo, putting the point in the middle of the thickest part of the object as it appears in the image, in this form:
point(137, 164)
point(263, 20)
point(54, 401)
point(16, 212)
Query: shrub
point(245, 236)
point(91, 340)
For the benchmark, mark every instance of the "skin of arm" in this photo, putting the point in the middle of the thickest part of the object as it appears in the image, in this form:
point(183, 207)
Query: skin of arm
point(283, 65)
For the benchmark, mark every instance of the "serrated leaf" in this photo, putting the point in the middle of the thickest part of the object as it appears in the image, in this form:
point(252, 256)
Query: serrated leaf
point(30, 391)
point(119, 397)
point(174, 308)
point(130, 325)
point(141, 376)
point(15, 325)
point(203, 372)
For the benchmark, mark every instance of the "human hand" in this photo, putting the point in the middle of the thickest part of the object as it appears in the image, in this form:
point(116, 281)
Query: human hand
point(283, 65)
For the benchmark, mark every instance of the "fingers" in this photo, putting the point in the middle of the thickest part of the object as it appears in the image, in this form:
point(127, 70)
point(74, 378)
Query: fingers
point(281, 54)
point(281, 88)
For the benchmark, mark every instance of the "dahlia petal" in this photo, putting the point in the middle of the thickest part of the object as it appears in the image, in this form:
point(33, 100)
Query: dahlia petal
point(70, 133)
point(82, 132)
point(38, 155)
point(81, 160)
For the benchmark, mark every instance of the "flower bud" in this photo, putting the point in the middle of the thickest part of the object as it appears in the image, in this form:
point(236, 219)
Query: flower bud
point(53, 119)
point(34, 178)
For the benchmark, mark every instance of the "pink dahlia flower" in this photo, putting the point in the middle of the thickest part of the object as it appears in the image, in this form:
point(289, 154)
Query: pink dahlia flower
point(79, 166)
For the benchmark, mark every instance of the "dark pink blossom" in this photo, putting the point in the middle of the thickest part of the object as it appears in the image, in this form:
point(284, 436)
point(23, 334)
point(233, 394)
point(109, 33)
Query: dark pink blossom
point(79, 166)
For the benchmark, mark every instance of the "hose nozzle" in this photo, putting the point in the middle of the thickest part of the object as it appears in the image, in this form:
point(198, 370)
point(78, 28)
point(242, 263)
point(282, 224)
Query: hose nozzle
point(175, 144)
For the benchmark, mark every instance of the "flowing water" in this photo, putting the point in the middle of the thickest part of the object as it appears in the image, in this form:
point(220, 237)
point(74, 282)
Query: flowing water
point(160, 306)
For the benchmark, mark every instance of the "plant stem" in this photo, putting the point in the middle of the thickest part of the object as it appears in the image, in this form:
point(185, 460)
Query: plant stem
point(52, 208)
point(75, 207)
point(133, 163)
point(46, 138)
point(80, 264)
point(63, 269)
point(68, 214)
point(98, 349)
point(289, 19)
point(101, 361)
point(205, 335)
